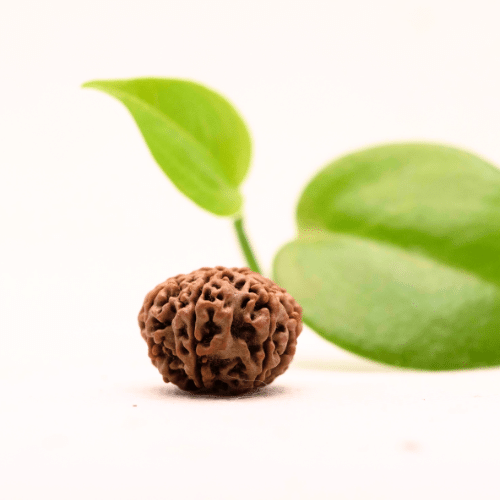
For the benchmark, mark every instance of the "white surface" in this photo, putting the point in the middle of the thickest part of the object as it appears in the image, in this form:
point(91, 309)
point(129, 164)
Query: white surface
point(314, 434)
point(89, 224)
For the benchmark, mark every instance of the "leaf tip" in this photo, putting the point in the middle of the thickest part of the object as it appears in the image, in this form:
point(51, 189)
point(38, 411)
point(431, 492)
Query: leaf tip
point(92, 84)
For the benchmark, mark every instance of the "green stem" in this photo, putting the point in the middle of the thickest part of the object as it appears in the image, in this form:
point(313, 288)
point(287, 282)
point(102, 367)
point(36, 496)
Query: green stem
point(245, 245)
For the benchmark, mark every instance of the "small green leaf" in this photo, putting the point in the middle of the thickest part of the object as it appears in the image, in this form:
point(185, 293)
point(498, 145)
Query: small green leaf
point(397, 257)
point(194, 134)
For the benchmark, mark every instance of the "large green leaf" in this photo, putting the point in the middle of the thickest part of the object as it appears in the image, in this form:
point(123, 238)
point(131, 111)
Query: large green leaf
point(397, 257)
point(194, 134)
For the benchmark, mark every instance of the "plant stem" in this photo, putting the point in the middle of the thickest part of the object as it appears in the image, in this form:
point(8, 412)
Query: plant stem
point(245, 245)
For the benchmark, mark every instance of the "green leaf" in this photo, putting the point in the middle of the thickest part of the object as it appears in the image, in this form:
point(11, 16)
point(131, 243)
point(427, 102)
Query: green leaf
point(397, 257)
point(197, 137)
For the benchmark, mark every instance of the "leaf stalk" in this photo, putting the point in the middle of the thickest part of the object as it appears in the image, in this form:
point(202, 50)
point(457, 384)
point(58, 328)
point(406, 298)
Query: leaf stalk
point(245, 245)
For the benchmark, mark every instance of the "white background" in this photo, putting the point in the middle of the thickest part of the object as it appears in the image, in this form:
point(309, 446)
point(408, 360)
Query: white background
point(89, 224)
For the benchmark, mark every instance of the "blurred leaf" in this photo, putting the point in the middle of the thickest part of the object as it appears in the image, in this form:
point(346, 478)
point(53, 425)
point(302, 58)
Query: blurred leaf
point(398, 256)
point(194, 134)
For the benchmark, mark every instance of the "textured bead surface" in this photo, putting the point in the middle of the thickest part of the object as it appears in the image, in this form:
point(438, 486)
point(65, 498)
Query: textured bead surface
point(220, 330)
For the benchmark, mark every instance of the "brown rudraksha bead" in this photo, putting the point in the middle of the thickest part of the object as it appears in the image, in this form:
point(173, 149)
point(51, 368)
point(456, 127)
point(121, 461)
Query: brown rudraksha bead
point(219, 330)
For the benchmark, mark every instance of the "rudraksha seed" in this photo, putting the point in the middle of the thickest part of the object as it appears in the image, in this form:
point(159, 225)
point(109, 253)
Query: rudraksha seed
point(219, 330)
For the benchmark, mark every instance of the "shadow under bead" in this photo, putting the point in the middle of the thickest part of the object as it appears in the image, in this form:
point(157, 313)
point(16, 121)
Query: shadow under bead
point(220, 330)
